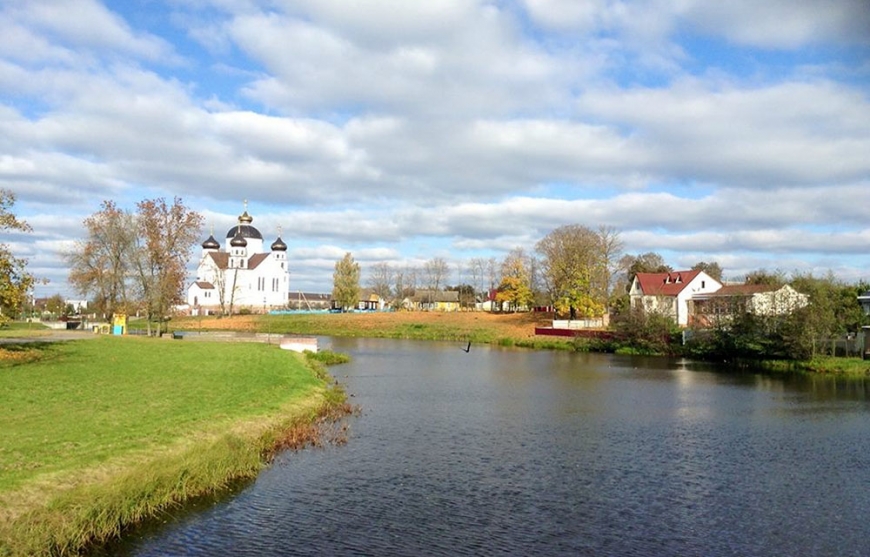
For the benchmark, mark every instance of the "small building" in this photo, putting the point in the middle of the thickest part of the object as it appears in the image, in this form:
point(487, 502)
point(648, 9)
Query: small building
point(369, 300)
point(669, 293)
point(308, 301)
point(864, 300)
point(432, 300)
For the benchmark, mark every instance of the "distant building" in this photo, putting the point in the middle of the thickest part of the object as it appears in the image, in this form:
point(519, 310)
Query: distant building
point(241, 274)
point(432, 300)
point(864, 300)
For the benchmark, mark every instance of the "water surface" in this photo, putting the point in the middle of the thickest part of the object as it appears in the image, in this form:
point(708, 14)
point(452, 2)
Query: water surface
point(511, 452)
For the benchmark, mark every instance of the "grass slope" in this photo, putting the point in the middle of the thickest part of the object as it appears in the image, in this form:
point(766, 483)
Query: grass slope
point(99, 433)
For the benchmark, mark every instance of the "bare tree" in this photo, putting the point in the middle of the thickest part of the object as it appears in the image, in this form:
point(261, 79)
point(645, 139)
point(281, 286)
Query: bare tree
point(381, 279)
point(437, 272)
point(477, 272)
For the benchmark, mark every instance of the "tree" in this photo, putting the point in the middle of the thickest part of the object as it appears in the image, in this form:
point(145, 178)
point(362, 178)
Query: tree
point(515, 288)
point(649, 262)
point(100, 265)
point(576, 268)
point(711, 268)
point(166, 236)
point(381, 279)
point(437, 272)
point(345, 282)
point(15, 281)
point(55, 305)
point(763, 276)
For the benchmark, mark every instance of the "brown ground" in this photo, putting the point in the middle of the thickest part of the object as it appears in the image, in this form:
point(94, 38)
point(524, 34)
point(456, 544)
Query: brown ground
point(513, 325)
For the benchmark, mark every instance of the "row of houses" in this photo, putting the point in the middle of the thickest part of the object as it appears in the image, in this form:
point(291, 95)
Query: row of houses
point(419, 300)
point(696, 298)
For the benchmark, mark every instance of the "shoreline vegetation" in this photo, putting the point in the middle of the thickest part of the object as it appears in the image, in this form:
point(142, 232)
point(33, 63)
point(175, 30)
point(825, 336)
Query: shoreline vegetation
point(101, 434)
point(501, 329)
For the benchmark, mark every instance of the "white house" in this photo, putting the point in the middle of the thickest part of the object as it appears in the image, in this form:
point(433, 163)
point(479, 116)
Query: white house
point(755, 299)
point(669, 293)
point(242, 274)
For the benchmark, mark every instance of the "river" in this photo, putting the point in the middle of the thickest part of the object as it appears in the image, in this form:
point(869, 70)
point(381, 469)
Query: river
point(512, 452)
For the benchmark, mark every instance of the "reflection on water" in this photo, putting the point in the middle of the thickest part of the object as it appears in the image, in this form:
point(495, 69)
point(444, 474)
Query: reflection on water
point(501, 451)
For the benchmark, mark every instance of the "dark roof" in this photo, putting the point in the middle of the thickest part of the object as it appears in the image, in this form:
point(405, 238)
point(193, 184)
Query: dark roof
point(245, 230)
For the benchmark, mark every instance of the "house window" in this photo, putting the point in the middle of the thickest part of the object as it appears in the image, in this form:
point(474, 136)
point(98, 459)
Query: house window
point(703, 283)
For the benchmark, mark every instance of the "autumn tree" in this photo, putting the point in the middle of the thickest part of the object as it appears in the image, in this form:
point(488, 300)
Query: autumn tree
point(15, 281)
point(577, 264)
point(345, 282)
point(101, 263)
point(710, 267)
point(515, 288)
point(166, 236)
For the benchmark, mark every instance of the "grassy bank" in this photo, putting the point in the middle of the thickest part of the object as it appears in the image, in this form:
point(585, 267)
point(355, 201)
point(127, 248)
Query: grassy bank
point(97, 434)
point(827, 365)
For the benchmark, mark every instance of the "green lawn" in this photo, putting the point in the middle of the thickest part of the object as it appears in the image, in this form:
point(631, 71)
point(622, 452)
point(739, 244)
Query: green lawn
point(111, 411)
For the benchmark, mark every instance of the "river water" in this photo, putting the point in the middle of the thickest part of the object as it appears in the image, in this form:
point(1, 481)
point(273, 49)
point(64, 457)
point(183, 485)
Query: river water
point(511, 452)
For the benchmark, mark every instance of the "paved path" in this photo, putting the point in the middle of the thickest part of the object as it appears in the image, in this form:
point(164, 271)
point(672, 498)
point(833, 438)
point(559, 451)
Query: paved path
point(49, 336)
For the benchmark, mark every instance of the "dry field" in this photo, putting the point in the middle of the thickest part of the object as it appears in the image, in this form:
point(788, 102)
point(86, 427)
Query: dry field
point(483, 326)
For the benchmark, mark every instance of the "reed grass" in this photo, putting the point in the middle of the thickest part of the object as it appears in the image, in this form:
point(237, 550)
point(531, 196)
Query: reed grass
point(98, 434)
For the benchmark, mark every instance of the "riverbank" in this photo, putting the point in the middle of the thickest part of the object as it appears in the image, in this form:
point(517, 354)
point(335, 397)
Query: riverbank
point(504, 329)
point(99, 434)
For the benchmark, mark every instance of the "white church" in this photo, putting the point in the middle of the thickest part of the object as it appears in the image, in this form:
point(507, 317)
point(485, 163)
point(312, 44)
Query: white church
point(242, 274)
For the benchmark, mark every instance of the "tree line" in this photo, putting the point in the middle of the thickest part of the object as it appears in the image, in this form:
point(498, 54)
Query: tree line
point(135, 261)
point(579, 271)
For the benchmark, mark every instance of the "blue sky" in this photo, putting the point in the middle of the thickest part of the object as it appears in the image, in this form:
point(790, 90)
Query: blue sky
point(736, 132)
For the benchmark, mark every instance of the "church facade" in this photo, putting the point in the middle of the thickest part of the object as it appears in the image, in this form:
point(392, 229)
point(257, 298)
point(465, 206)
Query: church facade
point(241, 274)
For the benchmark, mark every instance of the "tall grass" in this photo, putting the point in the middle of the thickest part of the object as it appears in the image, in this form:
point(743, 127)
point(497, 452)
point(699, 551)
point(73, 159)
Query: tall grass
point(98, 434)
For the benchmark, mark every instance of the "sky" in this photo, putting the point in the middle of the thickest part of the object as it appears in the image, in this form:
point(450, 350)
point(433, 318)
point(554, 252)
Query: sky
point(399, 130)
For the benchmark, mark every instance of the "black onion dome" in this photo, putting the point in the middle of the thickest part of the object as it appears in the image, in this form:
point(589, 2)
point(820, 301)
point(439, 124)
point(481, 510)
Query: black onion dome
point(211, 243)
point(238, 240)
point(279, 245)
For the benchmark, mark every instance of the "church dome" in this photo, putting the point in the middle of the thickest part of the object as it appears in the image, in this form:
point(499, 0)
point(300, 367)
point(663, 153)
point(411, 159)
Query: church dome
point(279, 245)
point(238, 240)
point(245, 231)
point(211, 243)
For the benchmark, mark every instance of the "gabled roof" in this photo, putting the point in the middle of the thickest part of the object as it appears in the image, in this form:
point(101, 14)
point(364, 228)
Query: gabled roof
point(256, 259)
point(221, 259)
point(665, 284)
point(204, 285)
point(435, 296)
